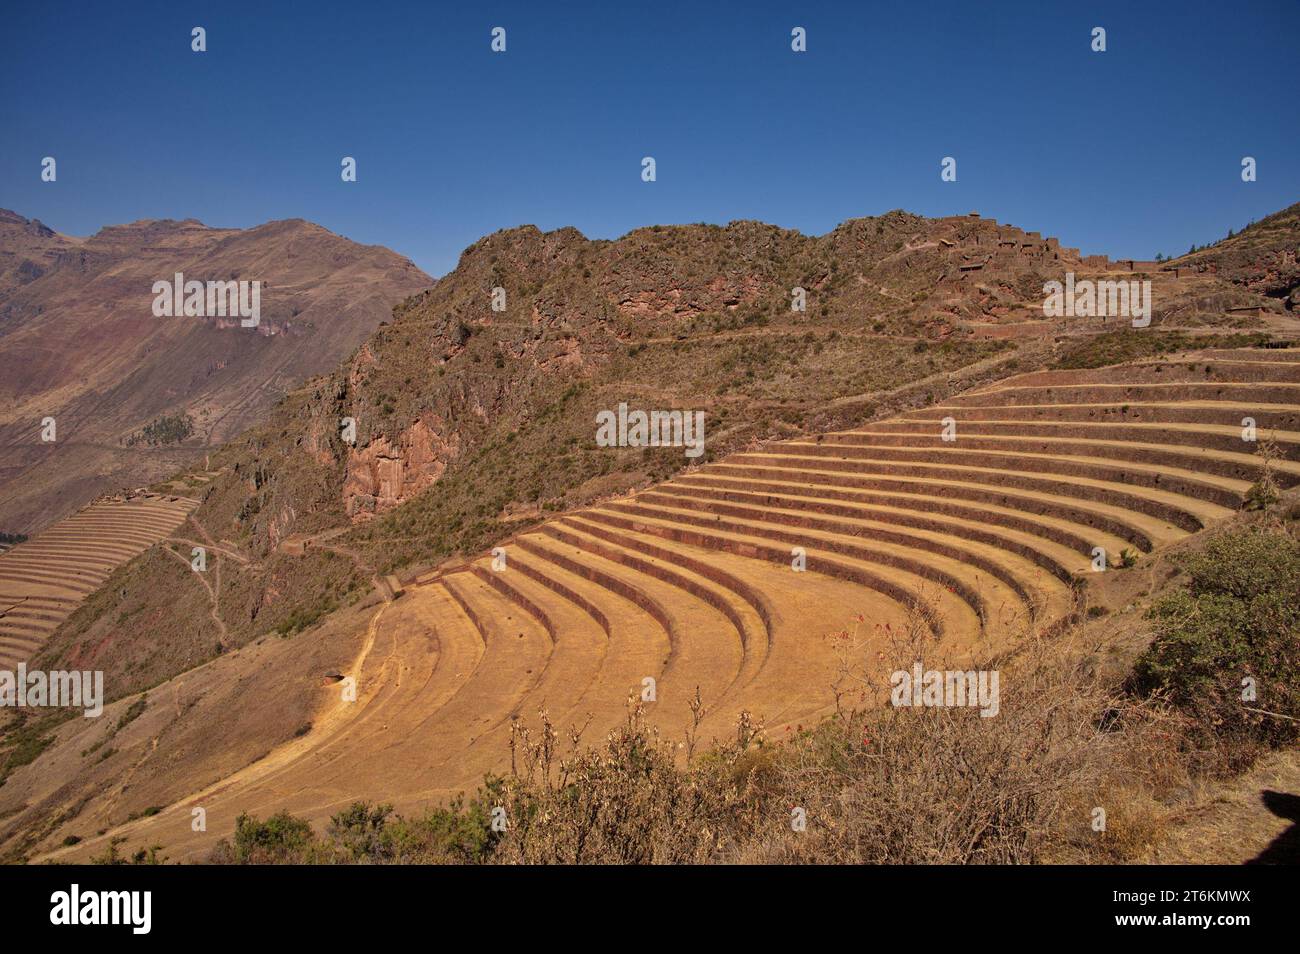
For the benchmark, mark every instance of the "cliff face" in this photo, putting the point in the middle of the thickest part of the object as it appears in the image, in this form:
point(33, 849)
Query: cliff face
point(385, 473)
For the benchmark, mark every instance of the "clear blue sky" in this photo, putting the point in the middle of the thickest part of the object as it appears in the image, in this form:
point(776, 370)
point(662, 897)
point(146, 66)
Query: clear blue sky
point(1129, 152)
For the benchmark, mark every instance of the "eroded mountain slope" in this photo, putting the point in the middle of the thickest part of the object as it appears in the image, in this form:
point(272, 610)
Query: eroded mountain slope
point(79, 343)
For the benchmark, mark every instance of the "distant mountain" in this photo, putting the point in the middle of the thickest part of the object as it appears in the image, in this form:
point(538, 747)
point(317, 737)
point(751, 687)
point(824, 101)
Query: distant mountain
point(28, 249)
point(80, 343)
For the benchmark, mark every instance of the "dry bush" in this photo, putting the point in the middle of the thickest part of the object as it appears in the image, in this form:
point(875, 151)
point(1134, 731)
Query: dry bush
point(1145, 777)
point(1265, 491)
point(876, 783)
point(623, 802)
point(906, 785)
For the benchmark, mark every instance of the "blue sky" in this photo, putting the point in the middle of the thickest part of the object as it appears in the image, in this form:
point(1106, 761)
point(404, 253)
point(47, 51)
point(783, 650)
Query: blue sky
point(1129, 152)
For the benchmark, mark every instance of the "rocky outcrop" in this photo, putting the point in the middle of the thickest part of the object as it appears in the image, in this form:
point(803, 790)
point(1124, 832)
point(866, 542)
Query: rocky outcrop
point(1262, 258)
point(384, 474)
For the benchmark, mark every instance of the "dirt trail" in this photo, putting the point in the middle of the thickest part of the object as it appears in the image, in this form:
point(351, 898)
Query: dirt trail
point(318, 541)
point(214, 594)
point(325, 726)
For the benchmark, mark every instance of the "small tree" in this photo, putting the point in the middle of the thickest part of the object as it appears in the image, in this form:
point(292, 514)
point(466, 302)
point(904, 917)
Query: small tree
point(1265, 492)
point(1225, 649)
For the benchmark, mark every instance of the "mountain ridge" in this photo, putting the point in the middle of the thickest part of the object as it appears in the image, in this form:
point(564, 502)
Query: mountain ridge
point(79, 343)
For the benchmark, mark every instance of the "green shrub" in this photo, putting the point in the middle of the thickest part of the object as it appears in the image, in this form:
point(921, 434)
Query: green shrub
point(132, 712)
point(456, 834)
point(367, 833)
point(142, 856)
point(359, 829)
point(168, 429)
point(1237, 618)
point(281, 838)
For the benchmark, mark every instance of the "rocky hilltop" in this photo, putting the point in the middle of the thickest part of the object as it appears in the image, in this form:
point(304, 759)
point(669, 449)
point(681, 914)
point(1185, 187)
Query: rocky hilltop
point(1261, 257)
point(577, 309)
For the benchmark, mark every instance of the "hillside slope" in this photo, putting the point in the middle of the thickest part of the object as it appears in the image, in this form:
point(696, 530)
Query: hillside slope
point(472, 424)
point(79, 343)
point(475, 428)
point(977, 544)
point(1261, 257)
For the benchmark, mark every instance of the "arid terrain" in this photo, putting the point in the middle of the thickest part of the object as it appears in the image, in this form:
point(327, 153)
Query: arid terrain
point(43, 580)
point(79, 343)
point(920, 451)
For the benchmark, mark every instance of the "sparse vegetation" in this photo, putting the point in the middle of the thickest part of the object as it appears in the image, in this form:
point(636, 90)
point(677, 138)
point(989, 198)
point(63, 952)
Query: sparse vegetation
point(876, 785)
point(1226, 648)
point(1115, 347)
point(24, 740)
point(133, 712)
point(143, 856)
point(168, 429)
